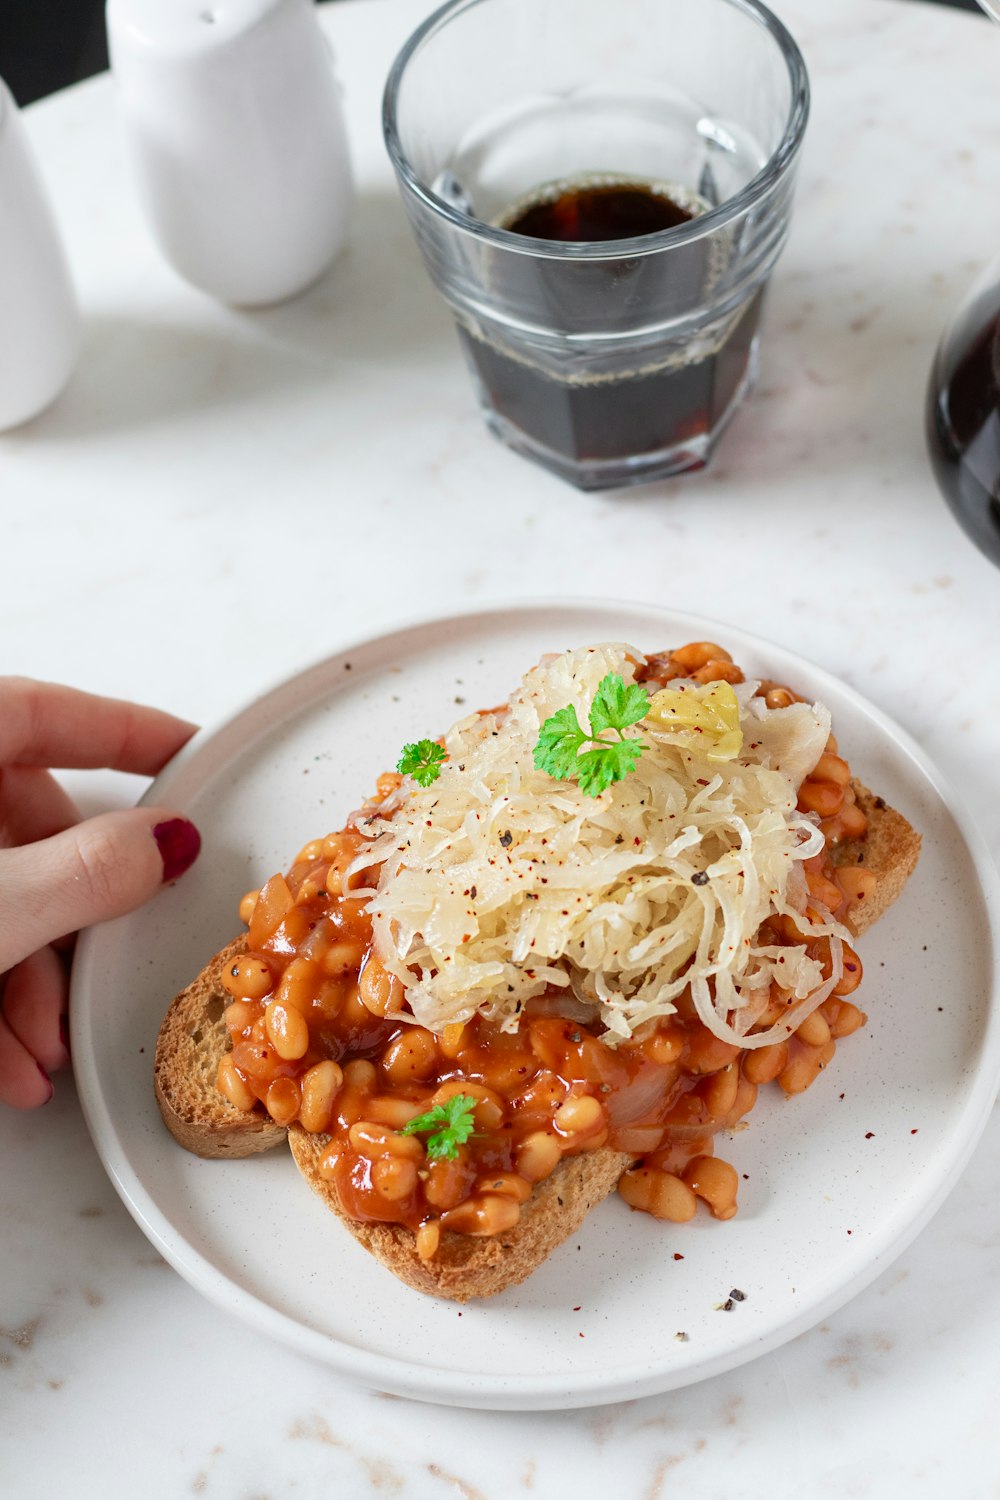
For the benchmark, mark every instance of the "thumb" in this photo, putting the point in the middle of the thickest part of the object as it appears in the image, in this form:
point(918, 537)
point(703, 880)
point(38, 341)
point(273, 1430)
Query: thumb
point(96, 870)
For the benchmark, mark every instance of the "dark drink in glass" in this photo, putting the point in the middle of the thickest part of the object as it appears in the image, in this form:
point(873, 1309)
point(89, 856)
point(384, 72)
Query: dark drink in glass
point(644, 402)
point(963, 417)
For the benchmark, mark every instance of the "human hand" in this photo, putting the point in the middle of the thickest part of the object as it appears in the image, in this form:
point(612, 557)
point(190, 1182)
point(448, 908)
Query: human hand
point(58, 874)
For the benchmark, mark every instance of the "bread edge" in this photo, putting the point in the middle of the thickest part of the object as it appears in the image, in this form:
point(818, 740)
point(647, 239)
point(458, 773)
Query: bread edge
point(464, 1266)
point(890, 849)
point(191, 1040)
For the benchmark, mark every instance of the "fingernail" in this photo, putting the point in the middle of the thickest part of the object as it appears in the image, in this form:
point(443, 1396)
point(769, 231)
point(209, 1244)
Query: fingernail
point(64, 1031)
point(48, 1080)
point(179, 842)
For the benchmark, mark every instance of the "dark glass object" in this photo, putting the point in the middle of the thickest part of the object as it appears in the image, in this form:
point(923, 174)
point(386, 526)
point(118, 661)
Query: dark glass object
point(963, 417)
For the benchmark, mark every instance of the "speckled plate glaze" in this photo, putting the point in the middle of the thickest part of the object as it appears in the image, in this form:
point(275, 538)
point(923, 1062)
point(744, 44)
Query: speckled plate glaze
point(835, 1182)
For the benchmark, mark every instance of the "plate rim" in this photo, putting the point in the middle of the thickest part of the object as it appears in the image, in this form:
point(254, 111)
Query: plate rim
point(540, 1391)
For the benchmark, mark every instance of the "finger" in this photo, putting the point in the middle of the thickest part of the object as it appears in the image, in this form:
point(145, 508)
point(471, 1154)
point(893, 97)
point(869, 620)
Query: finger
point(99, 869)
point(23, 1082)
point(32, 806)
point(42, 724)
point(34, 1003)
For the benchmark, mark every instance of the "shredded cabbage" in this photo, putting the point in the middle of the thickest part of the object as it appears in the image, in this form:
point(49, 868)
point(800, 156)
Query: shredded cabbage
point(499, 882)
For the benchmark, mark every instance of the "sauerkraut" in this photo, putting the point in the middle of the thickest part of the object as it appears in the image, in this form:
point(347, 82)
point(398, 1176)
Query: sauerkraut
point(500, 884)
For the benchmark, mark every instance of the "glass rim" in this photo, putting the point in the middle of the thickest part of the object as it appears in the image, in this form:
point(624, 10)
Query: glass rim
point(634, 246)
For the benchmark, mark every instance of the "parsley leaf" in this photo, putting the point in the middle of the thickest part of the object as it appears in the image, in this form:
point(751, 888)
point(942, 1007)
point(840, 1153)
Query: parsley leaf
point(615, 706)
point(451, 1124)
point(559, 744)
point(597, 769)
point(559, 749)
point(422, 761)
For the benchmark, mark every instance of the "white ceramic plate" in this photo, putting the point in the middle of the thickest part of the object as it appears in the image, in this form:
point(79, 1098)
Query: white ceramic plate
point(836, 1182)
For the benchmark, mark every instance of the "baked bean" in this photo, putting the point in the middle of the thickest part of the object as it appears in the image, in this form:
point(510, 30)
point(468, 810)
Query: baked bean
point(715, 1182)
point(857, 884)
point(282, 1100)
point(320, 1087)
point(664, 1047)
point(719, 1093)
point(450, 1039)
point(746, 1098)
point(309, 852)
point(428, 1239)
point(354, 1015)
point(273, 903)
point(360, 1074)
point(247, 904)
point(241, 1015)
point(394, 1178)
point(342, 958)
point(716, 670)
point(658, 1193)
point(847, 1019)
point(830, 767)
point(486, 1214)
point(779, 697)
point(329, 1164)
point(580, 1115)
point(804, 1066)
point(387, 783)
point(706, 1052)
point(233, 1086)
point(412, 1055)
point(341, 849)
point(508, 1184)
point(763, 1064)
point(814, 1030)
point(488, 1113)
point(386, 1109)
point(697, 653)
point(298, 984)
point(538, 1155)
point(287, 1031)
point(851, 977)
point(822, 889)
point(853, 823)
point(379, 990)
point(248, 977)
point(371, 1139)
point(448, 1180)
point(825, 798)
point(638, 1140)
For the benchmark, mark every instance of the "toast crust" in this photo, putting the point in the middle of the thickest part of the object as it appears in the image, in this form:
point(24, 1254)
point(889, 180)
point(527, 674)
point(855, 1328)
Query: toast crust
point(463, 1266)
point(890, 849)
point(191, 1042)
point(193, 1038)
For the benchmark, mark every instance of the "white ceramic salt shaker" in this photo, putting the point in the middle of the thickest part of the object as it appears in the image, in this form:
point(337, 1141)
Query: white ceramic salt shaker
point(234, 122)
point(39, 318)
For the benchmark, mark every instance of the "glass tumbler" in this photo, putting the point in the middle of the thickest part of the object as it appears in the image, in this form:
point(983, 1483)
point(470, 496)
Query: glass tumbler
point(599, 192)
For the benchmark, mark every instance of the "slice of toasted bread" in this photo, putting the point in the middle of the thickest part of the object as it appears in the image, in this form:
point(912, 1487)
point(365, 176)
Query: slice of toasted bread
point(192, 1039)
point(463, 1266)
point(889, 849)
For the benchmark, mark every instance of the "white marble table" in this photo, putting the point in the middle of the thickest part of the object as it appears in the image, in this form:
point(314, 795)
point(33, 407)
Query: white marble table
point(184, 526)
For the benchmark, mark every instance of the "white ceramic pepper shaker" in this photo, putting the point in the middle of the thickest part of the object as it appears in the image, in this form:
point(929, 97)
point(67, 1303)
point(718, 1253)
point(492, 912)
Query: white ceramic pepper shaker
point(234, 122)
point(39, 318)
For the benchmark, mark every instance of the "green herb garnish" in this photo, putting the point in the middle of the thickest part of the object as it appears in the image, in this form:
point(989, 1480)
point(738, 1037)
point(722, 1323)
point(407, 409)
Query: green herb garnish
point(422, 761)
point(451, 1124)
point(560, 752)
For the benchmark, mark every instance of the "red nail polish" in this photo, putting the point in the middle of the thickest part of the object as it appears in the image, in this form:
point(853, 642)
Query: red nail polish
point(179, 843)
point(48, 1080)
